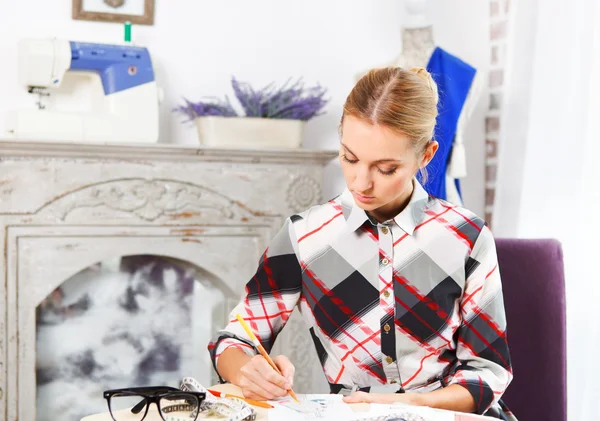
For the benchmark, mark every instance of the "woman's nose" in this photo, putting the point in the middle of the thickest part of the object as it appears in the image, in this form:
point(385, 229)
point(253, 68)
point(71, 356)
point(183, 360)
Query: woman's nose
point(363, 180)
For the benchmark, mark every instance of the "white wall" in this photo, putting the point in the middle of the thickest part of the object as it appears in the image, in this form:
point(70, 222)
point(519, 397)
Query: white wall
point(197, 46)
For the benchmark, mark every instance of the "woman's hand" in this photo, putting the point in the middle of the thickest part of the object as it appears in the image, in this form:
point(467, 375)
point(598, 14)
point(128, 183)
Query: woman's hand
point(363, 397)
point(259, 381)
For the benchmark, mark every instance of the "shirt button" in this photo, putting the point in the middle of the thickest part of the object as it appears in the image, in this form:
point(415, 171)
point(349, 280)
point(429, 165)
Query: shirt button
point(387, 328)
point(385, 230)
point(389, 360)
point(385, 261)
point(386, 293)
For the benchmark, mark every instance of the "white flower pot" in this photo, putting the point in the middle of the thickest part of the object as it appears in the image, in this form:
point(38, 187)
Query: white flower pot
point(249, 132)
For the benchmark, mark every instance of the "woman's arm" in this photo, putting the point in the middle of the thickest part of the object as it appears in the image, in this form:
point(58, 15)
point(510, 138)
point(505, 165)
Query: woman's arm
point(453, 398)
point(271, 296)
point(482, 349)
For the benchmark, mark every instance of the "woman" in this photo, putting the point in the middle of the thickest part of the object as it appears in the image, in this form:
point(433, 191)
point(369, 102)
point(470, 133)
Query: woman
point(400, 290)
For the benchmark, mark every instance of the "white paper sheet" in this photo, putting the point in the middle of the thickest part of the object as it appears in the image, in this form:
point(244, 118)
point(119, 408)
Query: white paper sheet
point(310, 408)
point(331, 407)
point(382, 412)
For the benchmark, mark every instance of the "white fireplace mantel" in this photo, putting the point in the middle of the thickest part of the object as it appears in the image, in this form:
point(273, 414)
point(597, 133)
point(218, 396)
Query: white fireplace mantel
point(163, 152)
point(64, 207)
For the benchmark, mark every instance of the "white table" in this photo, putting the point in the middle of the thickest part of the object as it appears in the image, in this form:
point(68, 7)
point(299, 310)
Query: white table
point(262, 413)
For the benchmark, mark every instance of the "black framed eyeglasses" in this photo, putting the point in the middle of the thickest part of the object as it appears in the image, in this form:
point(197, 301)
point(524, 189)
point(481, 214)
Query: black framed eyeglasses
point(132, 403)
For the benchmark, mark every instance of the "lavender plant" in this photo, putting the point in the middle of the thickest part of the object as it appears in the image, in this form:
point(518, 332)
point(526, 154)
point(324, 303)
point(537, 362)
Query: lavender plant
point(216, 107)
point(290, 101)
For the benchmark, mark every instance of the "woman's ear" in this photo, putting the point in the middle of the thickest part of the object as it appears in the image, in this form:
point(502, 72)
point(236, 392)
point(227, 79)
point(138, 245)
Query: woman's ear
point(430, 151)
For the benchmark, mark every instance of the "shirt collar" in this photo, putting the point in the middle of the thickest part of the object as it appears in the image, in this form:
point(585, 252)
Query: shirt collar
point(407, 220)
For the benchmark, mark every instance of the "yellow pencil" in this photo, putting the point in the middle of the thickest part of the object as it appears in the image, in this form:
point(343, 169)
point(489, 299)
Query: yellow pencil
point(262, 350)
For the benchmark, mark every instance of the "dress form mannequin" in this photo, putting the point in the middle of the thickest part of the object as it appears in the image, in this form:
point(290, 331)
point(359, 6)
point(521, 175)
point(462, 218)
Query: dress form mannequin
point(417, 36)
point(417, 47)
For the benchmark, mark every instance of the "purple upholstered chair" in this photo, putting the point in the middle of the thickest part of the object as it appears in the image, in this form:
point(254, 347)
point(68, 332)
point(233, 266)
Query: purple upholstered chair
point(534, 297)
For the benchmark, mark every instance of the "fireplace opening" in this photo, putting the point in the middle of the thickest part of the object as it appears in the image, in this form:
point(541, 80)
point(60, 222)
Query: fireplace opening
point(130, 321)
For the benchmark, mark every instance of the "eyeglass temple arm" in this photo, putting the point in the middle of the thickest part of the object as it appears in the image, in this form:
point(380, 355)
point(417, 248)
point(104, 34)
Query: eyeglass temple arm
point(138, 408)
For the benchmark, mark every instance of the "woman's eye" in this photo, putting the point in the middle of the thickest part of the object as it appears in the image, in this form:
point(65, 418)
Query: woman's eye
point(354, 161)
point(388, 172)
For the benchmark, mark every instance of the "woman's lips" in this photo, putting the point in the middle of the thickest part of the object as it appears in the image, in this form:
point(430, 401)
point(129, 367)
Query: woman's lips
point(363, 199)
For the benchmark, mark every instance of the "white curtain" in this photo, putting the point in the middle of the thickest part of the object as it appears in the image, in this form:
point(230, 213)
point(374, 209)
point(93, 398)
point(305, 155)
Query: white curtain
point(549, 165)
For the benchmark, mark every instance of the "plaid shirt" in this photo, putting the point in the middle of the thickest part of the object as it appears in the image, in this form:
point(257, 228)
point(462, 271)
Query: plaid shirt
point(414, 302)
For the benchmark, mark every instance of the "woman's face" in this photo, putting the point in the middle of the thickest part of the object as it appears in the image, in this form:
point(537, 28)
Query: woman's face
point(379, 165)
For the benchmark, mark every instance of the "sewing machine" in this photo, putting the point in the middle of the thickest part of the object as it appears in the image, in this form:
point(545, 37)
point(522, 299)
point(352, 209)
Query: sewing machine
point(122, 94)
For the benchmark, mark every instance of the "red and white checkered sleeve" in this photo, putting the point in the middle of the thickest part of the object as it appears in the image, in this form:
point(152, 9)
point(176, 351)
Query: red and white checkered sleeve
point(269, 299)
point(482, 349)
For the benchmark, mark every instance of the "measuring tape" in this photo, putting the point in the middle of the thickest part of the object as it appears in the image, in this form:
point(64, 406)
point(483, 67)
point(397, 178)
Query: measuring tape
point(229, 409)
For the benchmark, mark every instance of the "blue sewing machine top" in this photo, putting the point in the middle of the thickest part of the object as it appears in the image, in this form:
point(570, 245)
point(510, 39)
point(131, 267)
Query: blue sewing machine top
point(120, 66)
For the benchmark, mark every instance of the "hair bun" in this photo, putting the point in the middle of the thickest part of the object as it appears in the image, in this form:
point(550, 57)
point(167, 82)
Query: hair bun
point(426, 76)
point(421, 72)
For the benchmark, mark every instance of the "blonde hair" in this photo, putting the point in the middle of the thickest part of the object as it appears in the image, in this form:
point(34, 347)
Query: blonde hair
point(400, 99)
